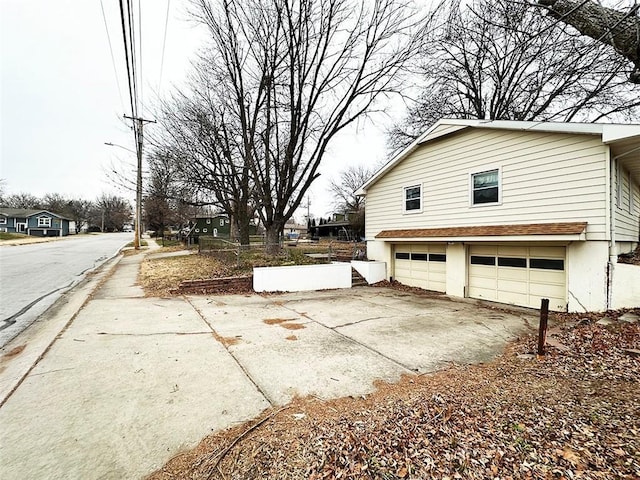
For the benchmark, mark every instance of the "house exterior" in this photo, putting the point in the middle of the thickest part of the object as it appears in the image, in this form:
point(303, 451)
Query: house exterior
point(508, 211)
point(218, 226)
point(215, 226)
point(39, 223)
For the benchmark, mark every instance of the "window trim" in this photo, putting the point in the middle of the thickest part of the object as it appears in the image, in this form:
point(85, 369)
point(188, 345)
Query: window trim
point(478, 171)
point(222, 222)
point(3, 220)
point(404, 199)
point(45, 224)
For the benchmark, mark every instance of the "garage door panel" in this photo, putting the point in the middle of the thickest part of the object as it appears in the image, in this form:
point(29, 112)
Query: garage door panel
point(544, 252)
point(547, 276)
point(519, 274)
point(418, 270)
point(484, 293)
point(512, 298)
point(484, 250)
point(515, 279)
point(546, 290)
point(511, 251)
point(555, 303)
point(511, 286)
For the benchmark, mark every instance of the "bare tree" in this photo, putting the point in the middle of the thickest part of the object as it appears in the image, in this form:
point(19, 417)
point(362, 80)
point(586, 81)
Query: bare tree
point(23, 200)
point(111, 212)
point(285, 76)
point(504, 61)
point(343, 189)
point(616, 28)
point(201, 144)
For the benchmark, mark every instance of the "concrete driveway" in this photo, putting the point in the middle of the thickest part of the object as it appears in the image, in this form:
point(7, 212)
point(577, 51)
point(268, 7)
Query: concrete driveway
point(126, 382)
point(336, 343)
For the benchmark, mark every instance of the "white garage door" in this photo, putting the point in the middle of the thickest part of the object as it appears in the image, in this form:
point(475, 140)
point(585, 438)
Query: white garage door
point(518, 275)
point(421, 265)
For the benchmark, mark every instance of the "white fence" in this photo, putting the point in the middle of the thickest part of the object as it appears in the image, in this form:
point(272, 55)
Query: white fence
point(625, 290)
point(299, 278)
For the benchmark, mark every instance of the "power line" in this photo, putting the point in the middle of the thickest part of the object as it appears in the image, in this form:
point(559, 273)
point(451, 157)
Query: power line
point(164, 44)
point(113, 60)
point(126, 56)
point(140, 56)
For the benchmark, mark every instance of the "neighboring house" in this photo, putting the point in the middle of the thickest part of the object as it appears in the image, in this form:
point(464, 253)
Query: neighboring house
point(293, 230)
point(508, 211)
point(39, 223)
point(339, 226)
point(216, 226)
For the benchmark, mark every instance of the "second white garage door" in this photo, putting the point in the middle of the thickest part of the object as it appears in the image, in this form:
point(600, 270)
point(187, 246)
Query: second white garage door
point(518, 275)
point(421, 265)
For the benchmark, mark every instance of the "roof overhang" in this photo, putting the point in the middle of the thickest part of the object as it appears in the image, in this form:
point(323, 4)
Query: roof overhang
point(539, 232)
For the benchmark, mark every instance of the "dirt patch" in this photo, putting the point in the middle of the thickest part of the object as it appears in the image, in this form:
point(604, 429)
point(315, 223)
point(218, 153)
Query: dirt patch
point(573, 413)
point(15, 351)
point(226, 341)
point(277, 321)
point(292, 326)
point(291, 337)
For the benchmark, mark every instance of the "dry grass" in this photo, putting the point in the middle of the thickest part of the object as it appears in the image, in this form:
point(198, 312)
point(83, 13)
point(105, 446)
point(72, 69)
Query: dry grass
point(159, 275)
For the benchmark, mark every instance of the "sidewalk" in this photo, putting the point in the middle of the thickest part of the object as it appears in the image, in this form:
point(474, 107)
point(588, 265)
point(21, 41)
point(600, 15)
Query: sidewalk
point(115, 394)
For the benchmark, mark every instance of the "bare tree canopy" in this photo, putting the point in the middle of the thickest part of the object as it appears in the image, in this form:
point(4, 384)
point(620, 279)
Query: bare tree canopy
point(616, 28)
point(278, 80)
point(504, 61)
point(343, 189)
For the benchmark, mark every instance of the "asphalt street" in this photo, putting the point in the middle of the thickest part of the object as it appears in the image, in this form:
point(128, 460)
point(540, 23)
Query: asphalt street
point(34, 276)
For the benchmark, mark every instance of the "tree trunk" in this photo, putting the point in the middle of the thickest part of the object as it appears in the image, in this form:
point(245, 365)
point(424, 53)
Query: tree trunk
point(272, 239)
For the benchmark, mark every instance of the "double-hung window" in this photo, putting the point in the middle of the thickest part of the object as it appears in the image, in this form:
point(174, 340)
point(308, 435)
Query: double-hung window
point(44, 221)
point(485, 187)
point(413, 199)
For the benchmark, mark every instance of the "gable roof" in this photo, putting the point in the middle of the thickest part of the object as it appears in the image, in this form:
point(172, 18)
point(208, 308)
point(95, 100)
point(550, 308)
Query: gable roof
point(26, 212)
point(624, 138)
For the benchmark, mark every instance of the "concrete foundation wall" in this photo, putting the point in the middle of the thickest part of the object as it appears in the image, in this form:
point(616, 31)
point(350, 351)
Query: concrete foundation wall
point(625, 288)
point(587, 276)
point(299, 278)
point(372, 272)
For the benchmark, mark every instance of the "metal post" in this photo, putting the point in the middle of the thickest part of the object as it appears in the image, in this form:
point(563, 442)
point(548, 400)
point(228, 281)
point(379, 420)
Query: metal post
point(542, 330)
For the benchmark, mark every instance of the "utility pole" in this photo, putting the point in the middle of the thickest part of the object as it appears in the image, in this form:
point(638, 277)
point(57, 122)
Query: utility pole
point(140, 137)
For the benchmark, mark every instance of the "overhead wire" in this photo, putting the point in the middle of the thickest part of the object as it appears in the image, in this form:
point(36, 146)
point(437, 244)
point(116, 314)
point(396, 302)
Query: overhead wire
point(113, 60)
point(164, 44)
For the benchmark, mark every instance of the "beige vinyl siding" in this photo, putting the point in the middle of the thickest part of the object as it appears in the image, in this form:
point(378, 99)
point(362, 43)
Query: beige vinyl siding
point(546, 177)
point(627, 211)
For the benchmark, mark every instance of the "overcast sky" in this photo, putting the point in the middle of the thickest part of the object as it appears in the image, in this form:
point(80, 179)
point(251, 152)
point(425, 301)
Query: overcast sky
point(60, 99)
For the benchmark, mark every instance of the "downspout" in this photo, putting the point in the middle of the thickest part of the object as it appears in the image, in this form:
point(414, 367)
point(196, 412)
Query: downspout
point(613, 257)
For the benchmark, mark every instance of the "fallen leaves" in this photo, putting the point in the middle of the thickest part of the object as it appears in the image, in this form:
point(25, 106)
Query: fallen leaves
point(574, 413)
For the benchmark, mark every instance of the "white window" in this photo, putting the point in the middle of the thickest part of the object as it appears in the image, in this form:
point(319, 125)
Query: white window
point(44, 221)
point(222, 222)
point(3, 220)
point(413, 199)
point(204, 230)
point(197, 230)
point(208, 221)
point(215, 232)
point(485, 187)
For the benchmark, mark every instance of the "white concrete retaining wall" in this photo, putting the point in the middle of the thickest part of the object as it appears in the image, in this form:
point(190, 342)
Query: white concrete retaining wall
point(373, 272)
point(625, 289)
point(587, 276)
point(299, 278)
